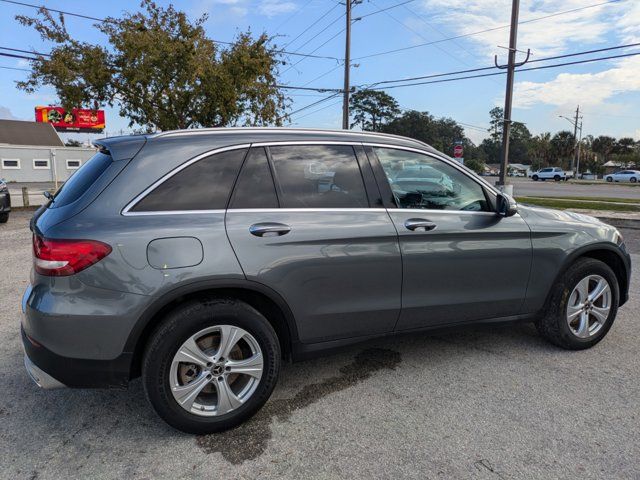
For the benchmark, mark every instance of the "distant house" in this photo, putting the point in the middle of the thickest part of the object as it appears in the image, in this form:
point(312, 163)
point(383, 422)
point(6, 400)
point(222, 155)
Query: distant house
point(33, 152)
point(520, 168)
point(612, 167)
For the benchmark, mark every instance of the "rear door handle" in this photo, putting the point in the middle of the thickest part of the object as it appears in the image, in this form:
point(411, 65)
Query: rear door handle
point(269, 229)
point(419, 224)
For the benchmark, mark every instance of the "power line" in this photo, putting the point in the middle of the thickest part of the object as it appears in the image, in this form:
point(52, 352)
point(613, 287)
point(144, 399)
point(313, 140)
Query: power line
point(275, 31)
point(380, 10)
point(319, 109)
point(314, 50)
point(106, 20)
point(448, 39)
point(15, 68)
point(323, 75)
point(25, 51)
point(322, 100)
point(14, 55)
point(529, 69)
point(311, 26)
point(480, 69)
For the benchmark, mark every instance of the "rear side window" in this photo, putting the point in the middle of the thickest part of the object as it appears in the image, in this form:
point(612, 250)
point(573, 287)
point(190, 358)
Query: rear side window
point(82, 179)
point(318, 176)
point(255, 188)
point(203, 185)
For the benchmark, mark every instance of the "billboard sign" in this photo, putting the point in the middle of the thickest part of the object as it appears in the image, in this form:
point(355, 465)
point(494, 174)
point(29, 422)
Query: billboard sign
point(75, 120)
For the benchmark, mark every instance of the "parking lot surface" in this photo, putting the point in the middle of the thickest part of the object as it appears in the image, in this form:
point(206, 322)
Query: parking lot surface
point(549, 188)
point(488, 403)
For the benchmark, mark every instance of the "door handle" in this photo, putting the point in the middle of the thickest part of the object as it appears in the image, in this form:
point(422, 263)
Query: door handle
point(419, 224)
point(269, 229)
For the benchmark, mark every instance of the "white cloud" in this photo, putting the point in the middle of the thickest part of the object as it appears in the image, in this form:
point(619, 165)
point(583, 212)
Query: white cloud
point(271, 8)
point(589, 89)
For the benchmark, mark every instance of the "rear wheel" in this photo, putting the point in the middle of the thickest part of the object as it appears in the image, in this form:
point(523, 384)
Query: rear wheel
point(582, 307)
point(609, 179)
point(211, 365)
point(4, 217)
point(557, 178)
point(633, 179)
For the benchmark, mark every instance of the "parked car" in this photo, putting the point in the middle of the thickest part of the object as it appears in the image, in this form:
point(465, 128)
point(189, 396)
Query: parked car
point(203, 259)
point(5, 202)
point(551, 173)
point(623, 176)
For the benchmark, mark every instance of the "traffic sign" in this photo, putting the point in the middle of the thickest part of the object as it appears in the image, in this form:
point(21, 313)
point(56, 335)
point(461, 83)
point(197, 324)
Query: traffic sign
point(458, 151)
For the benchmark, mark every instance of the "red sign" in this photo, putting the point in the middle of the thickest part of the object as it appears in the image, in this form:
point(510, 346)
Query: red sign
point(458, 151)
point(77, 120)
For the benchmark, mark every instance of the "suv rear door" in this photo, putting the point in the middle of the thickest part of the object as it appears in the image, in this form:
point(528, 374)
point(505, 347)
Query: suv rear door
point(319, 237)
point(461, 261)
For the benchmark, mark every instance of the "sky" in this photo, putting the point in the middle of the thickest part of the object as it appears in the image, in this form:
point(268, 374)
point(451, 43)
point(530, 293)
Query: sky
point(608, 92)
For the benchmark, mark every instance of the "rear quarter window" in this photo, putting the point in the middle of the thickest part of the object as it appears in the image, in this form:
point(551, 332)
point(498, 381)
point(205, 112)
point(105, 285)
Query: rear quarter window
point(82, 179)
point(203, 185)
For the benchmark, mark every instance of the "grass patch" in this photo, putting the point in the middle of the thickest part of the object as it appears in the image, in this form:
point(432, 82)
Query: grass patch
point(564, 203)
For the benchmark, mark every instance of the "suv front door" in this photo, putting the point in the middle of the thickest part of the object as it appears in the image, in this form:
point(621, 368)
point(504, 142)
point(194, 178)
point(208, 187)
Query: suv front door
point(316, 240)
point(461, 261)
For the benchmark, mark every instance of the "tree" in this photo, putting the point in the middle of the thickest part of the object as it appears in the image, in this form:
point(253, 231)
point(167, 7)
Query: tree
point(161, 70)
point(562, 147)
point(541, 152)
point(372, 109)
point(519, 139)
point(604, 145)
point(72, 143)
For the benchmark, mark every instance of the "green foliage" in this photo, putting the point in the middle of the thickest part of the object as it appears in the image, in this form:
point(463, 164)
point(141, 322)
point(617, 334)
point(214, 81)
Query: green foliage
point(72, 143)
point(372, 109)
point(161, 70)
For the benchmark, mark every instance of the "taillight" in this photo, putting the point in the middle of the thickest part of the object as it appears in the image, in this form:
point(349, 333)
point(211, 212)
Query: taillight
point(58, 258)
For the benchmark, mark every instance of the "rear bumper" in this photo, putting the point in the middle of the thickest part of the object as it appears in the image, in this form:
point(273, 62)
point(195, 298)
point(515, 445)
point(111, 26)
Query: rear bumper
point(50, 370)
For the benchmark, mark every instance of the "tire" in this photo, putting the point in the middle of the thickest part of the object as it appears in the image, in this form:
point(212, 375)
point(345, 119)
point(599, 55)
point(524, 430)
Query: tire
point(609, 179)
point(554, 325)
point(182, 324)
point(4, 217)
point(534, 178)
point(557, 178)
point(633, 179)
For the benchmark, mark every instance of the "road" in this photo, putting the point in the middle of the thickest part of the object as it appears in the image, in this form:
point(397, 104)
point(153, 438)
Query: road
point(549, 188)
point(483, 403)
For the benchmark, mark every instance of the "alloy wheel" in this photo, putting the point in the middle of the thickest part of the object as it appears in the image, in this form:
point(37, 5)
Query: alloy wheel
point(588, 307)
point(216, 370)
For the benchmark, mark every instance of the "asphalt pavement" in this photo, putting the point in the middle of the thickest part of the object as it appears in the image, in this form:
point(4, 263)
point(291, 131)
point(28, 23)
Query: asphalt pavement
point(481, 403)
point(528, 188)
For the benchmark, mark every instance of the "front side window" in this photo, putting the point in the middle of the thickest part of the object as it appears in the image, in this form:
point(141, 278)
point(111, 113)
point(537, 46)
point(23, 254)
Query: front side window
point(318, 176)
point(203, 185)
point(421, 181)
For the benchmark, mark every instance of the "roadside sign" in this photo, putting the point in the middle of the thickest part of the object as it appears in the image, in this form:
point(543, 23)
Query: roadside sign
point(458, 151)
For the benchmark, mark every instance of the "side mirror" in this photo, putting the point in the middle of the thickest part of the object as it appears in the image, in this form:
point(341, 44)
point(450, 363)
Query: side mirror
point(506, 206)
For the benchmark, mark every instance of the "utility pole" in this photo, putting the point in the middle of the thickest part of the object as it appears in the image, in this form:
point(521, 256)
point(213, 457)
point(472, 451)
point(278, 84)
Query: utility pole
point(575, 160)
point(347, 65)
point(508, 100)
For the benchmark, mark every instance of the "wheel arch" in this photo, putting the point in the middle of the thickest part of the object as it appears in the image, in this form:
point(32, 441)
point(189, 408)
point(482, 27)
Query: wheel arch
point(260, 297)
point(609, 254)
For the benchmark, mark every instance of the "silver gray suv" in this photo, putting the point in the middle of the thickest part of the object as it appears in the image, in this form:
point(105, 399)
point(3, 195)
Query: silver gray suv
point(203, 259)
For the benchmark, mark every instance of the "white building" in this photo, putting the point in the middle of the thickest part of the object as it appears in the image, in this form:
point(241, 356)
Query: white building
point(33, 152)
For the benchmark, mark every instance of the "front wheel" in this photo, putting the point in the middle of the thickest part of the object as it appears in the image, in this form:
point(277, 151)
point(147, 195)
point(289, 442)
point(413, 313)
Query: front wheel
point(609, 179)
point(211, 365)
point(534, 178)
point(4, 217)
point(633, 179)
point(557, 178)
point(582, 306)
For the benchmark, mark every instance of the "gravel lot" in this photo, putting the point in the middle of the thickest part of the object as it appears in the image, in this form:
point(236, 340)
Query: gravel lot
point(486, 403)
